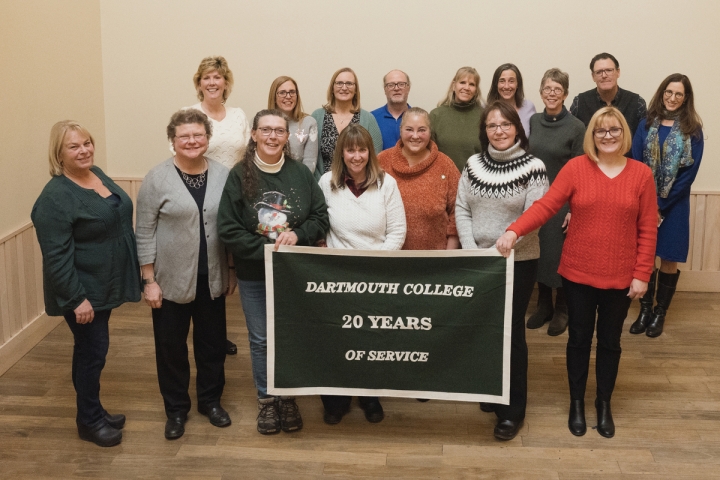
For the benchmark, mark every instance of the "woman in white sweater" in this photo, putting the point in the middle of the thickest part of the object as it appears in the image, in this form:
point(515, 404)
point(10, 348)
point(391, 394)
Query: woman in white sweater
point(366, 213)
point(231, 131)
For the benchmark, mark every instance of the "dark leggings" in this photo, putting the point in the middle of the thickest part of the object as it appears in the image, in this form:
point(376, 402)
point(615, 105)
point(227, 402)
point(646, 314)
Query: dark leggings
point(584, 304)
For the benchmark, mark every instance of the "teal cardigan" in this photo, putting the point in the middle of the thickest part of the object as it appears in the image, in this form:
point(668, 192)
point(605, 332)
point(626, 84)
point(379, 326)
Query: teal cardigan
point(367, 120)
point(88, 246)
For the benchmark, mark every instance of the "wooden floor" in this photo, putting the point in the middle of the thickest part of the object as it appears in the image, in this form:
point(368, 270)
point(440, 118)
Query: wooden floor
point(666, 408)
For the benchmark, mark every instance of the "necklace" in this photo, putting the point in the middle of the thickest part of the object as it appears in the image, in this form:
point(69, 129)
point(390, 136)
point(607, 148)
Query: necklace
point(194, 181)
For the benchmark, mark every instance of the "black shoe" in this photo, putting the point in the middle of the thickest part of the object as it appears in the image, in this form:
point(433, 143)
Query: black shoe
point(605, 426)
point(116, 421)
point(423, 400)
point(290, 418)
point(175, 427)
point(576, 419)
point(373, 411)
point(231, 348)
point(646, 307)
point(507, 429)
point(544, 312)
point(665, 291)
point(103, 435)
point(334, 417)
point(217, 415)
point(487, 407)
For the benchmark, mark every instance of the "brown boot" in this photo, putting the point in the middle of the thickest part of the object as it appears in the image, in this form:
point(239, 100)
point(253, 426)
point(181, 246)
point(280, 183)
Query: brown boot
point(559, 321)
point(544, 310)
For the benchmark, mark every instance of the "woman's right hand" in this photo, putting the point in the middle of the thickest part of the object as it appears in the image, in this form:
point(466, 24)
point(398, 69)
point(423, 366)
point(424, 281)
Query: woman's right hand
point(84, 312)
point(506, 243)
point(153, 295)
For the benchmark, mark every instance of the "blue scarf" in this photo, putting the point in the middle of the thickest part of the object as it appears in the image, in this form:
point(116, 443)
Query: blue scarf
point(676, 153)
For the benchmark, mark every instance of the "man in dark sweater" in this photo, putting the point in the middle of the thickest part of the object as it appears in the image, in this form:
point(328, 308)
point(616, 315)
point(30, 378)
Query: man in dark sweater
point(605, 73)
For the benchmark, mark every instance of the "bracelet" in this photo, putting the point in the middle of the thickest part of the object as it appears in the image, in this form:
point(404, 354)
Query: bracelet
point(148, 281)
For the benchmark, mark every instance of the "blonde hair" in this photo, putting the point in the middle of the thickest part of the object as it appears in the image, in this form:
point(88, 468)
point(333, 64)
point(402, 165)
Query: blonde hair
point(297, 113)
point(355, 135)
point(57, 137)
point(459, 75)
point(330, 106)
point(599, 119)
point(209, 64)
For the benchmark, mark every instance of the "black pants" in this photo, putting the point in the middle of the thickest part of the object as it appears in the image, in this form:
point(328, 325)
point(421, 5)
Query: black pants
point(611, 307)
point(341, 403)
point(524, 276)
point(171, 325)
point(89, 352)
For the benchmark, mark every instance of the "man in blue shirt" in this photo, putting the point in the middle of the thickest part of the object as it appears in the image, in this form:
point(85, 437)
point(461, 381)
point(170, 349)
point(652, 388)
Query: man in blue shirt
point(389, 116)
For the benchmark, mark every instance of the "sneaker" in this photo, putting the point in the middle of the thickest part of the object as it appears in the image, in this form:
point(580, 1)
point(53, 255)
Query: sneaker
point(268, 419)
point(290, 419)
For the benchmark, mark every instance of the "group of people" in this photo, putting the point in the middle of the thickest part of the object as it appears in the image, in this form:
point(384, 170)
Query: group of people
point(560, 187)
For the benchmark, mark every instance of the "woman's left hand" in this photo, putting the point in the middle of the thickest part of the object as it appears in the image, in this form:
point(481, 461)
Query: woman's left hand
point(637, 289)
point(286, 238)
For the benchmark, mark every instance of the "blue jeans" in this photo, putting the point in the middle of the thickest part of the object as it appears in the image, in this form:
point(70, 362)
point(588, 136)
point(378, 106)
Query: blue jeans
point(252, 297)
point(91, 347)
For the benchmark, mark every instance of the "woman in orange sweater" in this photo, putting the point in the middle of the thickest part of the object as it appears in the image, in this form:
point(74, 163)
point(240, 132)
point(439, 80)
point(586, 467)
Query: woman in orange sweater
point(608, 255)
point(428, 181)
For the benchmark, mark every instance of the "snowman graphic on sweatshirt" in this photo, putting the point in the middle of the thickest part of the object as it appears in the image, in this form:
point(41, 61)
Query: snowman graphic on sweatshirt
point(272, 214)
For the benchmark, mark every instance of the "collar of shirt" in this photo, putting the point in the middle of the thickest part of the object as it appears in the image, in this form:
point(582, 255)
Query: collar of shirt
point(350, 184)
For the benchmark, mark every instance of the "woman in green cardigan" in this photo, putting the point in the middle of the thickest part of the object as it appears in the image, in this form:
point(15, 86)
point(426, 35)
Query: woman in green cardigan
point(342, 109)
point(83, 222)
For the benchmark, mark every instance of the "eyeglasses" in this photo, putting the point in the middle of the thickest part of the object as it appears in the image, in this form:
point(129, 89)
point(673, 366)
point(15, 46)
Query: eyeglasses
point(266, 131)
point(347, 85)
point(197, 137)
point(394, 85)
point(604, 72)
point(553, 90)
point(287, 93)
point(614, 132)
point(505, 126)
point(670, 94)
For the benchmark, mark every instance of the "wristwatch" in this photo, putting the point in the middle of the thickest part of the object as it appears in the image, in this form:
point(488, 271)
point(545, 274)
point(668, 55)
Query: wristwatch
point(148, 281)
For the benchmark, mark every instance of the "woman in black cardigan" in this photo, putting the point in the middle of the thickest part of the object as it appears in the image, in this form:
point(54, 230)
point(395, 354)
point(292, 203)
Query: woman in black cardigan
point(83, 222)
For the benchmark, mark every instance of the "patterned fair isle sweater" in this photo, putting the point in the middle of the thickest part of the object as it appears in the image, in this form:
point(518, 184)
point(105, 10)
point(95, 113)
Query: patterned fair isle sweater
point(612, 234)
point(495, 189)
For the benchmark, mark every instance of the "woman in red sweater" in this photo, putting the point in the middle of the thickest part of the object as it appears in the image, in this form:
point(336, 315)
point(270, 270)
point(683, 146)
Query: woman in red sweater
point(428, 181)
point(608, 255)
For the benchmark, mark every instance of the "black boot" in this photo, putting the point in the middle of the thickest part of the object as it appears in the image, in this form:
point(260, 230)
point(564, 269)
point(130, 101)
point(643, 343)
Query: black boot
point(605, 424)
point(544, 310)
point(646, 307)
point(665, 291)
point(559, 321)
point(576, 419)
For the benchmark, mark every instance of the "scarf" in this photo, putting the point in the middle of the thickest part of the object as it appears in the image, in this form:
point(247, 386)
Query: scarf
point(666, 160)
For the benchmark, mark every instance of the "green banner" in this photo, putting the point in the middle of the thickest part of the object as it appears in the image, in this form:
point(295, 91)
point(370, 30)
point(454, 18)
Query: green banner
point(418, 324)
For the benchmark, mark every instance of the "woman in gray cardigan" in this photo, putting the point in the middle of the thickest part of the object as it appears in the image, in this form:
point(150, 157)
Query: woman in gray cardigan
point(185, 270)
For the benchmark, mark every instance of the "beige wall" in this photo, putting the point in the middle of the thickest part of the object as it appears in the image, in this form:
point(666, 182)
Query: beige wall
point(51, 64)
point(151, 50)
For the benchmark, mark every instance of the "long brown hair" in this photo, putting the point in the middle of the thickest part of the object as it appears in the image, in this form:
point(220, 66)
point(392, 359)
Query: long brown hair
point(297, 112)
point(494, 93)
point(249, 172)
point(690, 122)
point(356, 136)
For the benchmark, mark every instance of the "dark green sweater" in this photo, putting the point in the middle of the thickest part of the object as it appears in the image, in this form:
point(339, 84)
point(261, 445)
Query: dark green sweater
point(301, 201)
point(88, 246)
point(456, 130)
